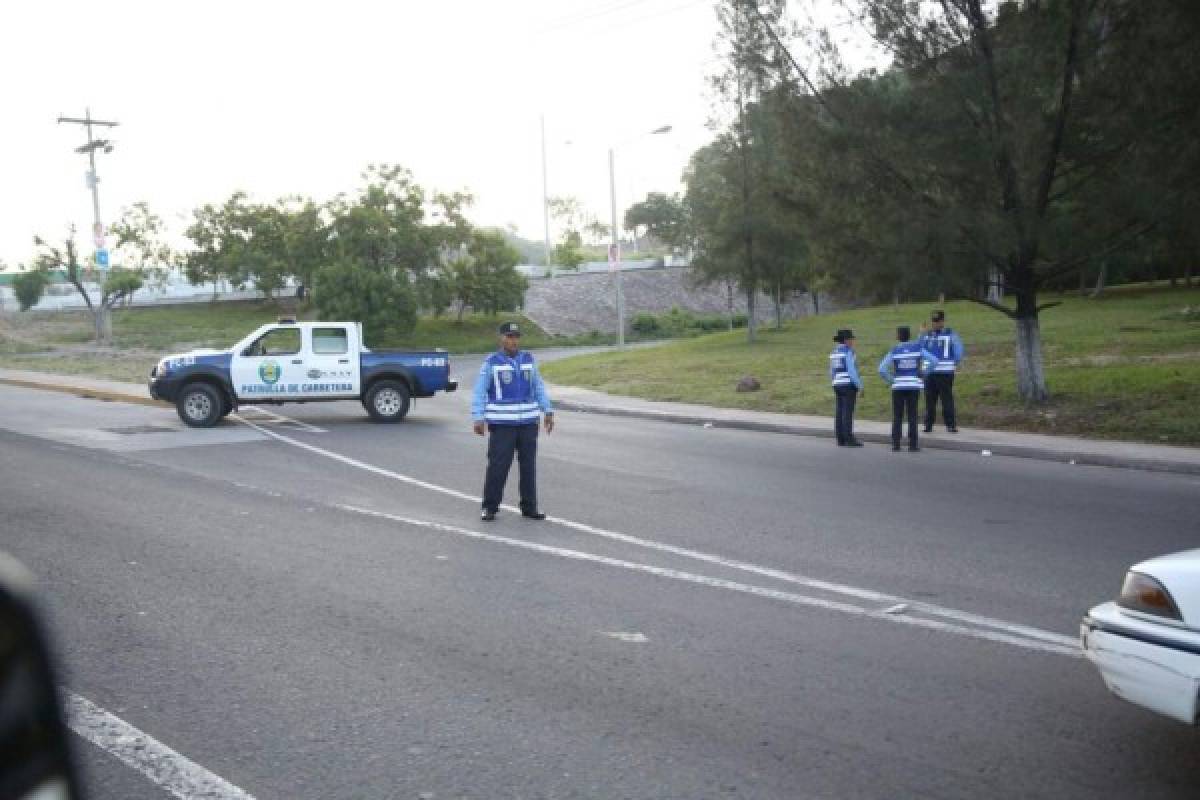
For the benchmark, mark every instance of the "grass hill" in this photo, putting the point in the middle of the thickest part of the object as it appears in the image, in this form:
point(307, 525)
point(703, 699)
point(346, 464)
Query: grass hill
point(1125, 365)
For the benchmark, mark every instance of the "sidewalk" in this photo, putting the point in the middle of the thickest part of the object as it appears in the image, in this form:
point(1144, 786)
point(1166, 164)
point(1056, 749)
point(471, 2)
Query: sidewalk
point(1066, 449)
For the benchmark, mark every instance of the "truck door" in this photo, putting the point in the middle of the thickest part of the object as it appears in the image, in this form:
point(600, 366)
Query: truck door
point(270, 367)
point(331, 366)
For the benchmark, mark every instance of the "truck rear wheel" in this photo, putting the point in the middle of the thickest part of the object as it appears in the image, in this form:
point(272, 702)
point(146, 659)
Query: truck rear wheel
point(387, 401)
point(199, 405)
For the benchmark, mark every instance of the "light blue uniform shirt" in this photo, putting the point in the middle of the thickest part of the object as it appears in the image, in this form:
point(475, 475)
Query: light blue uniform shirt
point(490, 400)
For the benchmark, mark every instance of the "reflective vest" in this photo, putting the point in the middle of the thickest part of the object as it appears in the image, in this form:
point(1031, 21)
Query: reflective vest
point(941, 344)
point(510, 396)
point(906, 366)
point(839, 373)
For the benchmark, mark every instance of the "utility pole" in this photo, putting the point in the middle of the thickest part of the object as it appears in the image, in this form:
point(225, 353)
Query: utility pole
point(614, 249)
point(614, 252)
point(546, 201)
point(103, 322)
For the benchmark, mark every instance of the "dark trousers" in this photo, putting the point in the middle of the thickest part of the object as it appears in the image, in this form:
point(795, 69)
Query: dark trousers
point(940, 385)
point(503, 441)
point(904, 405)
point(843, 420)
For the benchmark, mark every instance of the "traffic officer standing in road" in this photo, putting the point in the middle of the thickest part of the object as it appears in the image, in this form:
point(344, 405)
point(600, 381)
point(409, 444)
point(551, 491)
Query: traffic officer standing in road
point(508, 400)
point(948, 347)
point(903, 367)
point(843, 373)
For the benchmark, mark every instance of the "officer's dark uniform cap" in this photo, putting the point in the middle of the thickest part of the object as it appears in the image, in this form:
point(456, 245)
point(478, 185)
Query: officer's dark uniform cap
point(939, 316)
point(903, 333)
point(510, 329)
point(843, 334)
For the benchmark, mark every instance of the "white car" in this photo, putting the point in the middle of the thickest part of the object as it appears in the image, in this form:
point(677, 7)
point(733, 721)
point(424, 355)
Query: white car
point(1146, 644)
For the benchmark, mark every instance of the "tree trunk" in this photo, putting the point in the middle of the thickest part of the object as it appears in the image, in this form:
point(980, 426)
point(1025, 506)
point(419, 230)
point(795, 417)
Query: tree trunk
point(102, 320)
point(1031, 378)
point(816, 301)
point(995, 291)
point(1187, 273)
point(1082, 279)
point(1100, 279)
point(778, 307)
point(895, 297)
point(729, 292)
point(751, 327)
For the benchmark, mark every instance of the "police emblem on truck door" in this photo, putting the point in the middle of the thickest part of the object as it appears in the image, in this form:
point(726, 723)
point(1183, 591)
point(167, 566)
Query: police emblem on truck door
point(270, 372)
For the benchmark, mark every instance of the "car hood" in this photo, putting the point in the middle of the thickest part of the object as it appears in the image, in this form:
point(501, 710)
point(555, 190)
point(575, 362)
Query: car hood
point(1179, 573)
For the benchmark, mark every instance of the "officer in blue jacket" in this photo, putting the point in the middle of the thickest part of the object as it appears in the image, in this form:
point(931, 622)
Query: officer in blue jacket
point(508, 400)
point(903, 368)
point(843, 374)
point(948, 347)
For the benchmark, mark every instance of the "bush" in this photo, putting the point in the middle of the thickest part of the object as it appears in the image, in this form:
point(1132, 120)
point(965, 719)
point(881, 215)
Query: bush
point(644, 323)
point(678, 322)
point(29, 288)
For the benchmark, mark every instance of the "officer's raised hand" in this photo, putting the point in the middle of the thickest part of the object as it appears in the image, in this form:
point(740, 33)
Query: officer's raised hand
point(548, 421)
point(480, 427)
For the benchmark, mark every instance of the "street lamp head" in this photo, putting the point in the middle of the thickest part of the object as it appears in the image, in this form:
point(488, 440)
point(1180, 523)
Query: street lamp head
point(98, 144)
point(663, 129)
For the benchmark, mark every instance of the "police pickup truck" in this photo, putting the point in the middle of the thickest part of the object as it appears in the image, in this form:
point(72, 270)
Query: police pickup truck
point(298, 362)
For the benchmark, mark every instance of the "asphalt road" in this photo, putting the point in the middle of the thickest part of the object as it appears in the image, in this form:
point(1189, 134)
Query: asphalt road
point(309, 607)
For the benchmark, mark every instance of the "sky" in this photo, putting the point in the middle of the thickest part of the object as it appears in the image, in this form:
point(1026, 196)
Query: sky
point(282, 98)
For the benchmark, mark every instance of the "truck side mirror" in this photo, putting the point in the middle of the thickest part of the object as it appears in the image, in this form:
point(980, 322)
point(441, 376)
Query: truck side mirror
point(35, 757)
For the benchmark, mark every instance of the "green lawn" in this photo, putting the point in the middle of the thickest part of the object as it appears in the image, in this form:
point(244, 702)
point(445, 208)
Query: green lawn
point(1123, 366)
point(62, 341)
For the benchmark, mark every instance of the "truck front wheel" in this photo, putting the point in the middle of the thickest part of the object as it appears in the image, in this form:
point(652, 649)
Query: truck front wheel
point(387, 401)
point(199, 405)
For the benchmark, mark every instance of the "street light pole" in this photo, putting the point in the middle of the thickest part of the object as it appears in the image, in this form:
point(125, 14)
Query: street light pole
point(546, 200)
point(615, 248)
point(614, 253)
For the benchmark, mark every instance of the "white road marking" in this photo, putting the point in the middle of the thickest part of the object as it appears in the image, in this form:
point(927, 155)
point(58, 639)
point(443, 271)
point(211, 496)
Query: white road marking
point(274, 418)
point(733, 586)
point(166, 768)
point(1011, 629)
point(624, 636)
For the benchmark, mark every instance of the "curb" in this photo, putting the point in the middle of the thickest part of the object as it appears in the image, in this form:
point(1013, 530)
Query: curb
point(105, 395)
point(961, 445)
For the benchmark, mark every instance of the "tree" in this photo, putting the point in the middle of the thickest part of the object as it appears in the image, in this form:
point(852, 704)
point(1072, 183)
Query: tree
point(257, 244)
point(218, 242)
point(494, 260)
point(749, 60)
point(485, 278)
point(568, 253)
point(662, 217)
point(29, 288)
point(385, 305)
point(141, 247)
point(117, 284)
point(383, 228)
point(569, 213)
point(979, 149)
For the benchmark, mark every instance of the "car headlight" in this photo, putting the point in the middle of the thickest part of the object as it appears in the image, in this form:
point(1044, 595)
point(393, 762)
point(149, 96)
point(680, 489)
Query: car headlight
point(163, 368)
point(1145, 595)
